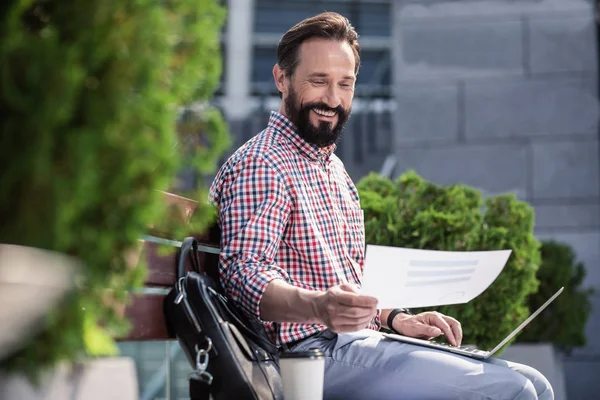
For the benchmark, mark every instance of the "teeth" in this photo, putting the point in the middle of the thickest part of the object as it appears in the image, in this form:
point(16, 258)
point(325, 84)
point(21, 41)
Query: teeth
point(323, 112)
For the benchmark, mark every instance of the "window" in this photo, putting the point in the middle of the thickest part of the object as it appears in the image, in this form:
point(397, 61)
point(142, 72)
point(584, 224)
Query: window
point(277, 16)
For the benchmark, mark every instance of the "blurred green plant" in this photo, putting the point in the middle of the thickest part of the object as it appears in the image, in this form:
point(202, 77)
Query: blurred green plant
point(90, 92)
point(414, 213)
point(563, 322)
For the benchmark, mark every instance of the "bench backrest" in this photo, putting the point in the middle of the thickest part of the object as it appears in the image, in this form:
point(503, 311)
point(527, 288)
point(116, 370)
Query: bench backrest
point(145, 310)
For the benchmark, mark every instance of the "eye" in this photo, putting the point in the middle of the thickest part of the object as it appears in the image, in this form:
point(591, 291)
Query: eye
point(318, 82)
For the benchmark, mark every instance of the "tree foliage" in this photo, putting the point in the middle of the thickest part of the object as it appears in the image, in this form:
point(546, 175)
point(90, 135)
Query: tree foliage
point(414, 213)
point(563, 322)
point(90, 92)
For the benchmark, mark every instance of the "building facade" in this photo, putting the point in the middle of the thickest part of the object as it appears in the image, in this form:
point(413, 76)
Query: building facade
point(501, 95)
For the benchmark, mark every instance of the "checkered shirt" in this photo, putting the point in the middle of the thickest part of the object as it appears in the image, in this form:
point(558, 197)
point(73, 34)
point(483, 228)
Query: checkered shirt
point(287, 210)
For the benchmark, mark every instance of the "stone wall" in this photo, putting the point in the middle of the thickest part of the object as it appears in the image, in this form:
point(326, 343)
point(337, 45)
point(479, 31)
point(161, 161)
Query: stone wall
point(503, 95)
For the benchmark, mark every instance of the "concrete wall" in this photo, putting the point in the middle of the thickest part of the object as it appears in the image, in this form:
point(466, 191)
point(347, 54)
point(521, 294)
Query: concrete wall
point(503, 95)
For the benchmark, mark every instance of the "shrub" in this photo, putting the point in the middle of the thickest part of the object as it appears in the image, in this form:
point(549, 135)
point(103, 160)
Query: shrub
point(414, 213)
point(89, 94)
point(563, 322)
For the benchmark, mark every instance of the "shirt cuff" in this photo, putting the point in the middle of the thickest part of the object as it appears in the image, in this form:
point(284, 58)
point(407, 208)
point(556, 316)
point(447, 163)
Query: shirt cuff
point(247, 284)
point(258, 284)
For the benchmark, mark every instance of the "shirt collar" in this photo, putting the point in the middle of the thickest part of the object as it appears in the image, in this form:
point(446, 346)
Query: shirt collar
point(284, 126)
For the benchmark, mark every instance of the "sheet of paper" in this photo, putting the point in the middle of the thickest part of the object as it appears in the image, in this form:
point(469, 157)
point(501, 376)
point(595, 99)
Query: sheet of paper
point(400, 277)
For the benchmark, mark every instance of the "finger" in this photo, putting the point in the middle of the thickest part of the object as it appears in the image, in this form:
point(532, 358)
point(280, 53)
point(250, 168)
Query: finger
point(366, 320)
point(348, 287)
point(352, 327)
point(423, 331)
point(436, 319)
point(456, 328)
point(362, 320)
point(356, 300)
point(355, 312)
point(344, 320)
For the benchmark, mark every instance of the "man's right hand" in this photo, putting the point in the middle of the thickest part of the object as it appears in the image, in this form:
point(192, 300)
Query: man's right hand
point(343, 309)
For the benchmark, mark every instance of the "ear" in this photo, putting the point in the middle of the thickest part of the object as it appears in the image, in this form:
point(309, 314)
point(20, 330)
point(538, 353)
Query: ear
point(281, 80)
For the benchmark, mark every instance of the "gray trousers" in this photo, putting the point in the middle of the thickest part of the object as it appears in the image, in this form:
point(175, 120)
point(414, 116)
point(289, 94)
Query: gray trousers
point(364, 365)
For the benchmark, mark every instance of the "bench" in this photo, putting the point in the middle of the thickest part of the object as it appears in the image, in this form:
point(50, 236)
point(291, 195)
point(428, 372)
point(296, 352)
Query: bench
point(145, 309)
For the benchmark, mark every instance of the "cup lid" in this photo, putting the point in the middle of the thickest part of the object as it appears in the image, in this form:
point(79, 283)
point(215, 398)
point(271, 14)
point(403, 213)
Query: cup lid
point(310, 353)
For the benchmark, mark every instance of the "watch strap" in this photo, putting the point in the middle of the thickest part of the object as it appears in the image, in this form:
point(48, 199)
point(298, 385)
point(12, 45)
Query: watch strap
point(393, 314)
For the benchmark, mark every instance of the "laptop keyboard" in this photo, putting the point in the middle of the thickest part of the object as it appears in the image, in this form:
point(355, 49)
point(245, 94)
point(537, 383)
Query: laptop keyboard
point(463, 348)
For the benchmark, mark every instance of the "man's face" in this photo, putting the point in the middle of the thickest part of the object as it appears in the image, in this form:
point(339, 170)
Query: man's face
point(318, 96)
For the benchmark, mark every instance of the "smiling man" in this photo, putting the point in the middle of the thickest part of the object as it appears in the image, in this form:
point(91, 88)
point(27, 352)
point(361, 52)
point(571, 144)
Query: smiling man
point(320, 106)
point(292, 245)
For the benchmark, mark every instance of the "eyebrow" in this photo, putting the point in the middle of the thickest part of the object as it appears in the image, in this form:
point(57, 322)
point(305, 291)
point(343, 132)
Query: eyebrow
point(324, 75)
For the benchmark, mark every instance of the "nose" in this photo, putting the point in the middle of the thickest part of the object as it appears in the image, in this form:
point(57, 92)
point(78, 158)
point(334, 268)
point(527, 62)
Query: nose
point(332, 97)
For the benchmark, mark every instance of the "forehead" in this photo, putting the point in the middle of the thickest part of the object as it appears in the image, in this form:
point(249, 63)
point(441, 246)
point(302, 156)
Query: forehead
point(318, 55)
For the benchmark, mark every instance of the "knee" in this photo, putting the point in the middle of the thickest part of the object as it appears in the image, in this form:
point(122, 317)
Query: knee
point(511, 385)
point(542, 386)
point(524, 382)
point(527, 392)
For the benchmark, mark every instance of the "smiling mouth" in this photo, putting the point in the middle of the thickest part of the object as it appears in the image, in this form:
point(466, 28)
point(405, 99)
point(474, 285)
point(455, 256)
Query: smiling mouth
point(324, 113)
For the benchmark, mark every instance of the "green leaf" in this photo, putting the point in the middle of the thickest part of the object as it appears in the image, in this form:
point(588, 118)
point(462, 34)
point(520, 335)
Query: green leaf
point(97, 340)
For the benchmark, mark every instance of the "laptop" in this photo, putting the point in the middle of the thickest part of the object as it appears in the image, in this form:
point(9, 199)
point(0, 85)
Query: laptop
point(469, 351)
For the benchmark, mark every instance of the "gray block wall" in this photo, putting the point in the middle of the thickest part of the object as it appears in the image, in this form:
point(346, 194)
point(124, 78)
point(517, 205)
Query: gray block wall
point(503, 96)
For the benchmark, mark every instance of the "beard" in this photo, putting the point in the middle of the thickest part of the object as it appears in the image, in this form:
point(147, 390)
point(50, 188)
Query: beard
point(324, 134)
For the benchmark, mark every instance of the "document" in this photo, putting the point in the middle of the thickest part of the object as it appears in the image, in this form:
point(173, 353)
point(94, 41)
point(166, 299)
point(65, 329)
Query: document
point(400, 277)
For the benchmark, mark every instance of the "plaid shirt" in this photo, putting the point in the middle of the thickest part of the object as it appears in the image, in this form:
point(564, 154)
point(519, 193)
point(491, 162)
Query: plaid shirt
point(288, 210)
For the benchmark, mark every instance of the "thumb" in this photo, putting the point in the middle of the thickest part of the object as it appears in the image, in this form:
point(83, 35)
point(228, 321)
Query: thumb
point(348, 287)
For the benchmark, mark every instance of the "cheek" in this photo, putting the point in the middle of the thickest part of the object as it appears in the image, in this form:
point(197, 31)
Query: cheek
point(346, 99)
point(310, 95)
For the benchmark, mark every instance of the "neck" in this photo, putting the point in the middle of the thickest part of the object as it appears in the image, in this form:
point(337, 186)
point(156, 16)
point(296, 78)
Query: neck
point(282, 110)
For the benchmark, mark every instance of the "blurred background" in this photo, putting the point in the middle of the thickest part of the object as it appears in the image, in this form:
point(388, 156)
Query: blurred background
point(499, 95)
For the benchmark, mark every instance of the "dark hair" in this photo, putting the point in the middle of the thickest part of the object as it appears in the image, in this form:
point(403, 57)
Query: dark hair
point(327, 25)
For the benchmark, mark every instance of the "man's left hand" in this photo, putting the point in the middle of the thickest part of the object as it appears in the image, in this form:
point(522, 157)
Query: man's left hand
point(428, 325)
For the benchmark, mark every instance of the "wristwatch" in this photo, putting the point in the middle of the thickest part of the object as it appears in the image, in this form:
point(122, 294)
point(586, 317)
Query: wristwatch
point(393, 314)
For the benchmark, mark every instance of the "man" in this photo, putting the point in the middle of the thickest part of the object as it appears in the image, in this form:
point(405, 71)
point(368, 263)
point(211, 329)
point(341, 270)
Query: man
point(292, 247)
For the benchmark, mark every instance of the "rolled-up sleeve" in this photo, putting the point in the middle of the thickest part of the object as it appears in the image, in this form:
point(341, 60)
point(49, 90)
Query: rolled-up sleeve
point(254, 208)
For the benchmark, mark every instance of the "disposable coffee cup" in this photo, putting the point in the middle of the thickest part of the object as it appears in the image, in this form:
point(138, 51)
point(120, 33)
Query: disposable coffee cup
point(302, 374)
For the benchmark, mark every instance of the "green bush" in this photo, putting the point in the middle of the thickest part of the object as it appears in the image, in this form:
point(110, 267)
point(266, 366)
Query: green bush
point(414, 213)
point(89, 95)
point(563, 322)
